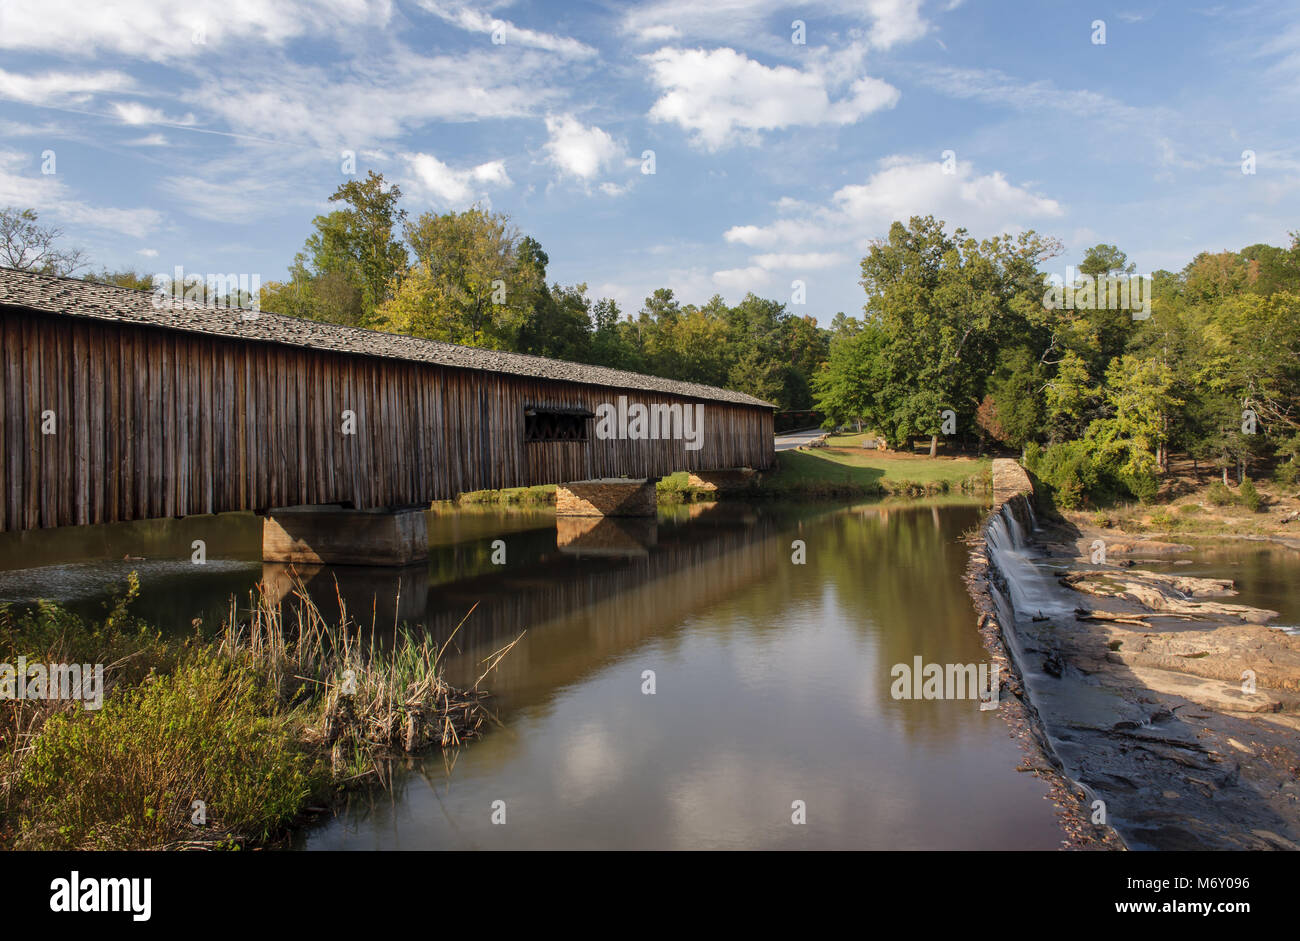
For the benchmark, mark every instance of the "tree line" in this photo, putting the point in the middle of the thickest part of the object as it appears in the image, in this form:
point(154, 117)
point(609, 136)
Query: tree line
point(473, 278)
point(969, 333)
point(960, 340)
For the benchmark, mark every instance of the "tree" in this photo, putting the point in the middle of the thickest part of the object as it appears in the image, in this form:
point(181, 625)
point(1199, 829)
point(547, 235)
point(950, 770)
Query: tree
point(27, 245)
point(351, 261)
point(1012, 411)
point(947, 305)
point(611, 343)
point(131, 280)
point(849, 387)
point(469, 284)
point(559, 324)
point(364, 235)
point(1133, 439)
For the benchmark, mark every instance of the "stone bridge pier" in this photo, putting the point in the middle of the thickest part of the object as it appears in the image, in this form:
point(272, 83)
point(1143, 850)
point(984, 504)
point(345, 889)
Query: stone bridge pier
point(608, 496)
point(332, 535)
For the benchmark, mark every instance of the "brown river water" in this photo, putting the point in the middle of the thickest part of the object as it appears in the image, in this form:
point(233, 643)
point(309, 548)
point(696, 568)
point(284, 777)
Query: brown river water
point(771, 678)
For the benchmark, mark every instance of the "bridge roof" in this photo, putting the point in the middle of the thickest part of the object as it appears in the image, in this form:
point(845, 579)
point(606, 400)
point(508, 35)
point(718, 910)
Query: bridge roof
point(76, 298)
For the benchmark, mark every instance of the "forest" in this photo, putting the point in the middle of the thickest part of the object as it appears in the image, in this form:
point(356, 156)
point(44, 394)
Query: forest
point(1097, 399)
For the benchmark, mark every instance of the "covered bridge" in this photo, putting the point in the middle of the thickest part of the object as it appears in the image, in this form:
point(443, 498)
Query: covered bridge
point(127, 405)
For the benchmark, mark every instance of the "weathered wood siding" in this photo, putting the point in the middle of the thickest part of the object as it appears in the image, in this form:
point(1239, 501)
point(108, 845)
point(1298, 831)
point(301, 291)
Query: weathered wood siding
point(156, 423)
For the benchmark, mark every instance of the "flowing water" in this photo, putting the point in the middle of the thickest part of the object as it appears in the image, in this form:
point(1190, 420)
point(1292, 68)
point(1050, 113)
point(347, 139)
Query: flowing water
point(767, 633)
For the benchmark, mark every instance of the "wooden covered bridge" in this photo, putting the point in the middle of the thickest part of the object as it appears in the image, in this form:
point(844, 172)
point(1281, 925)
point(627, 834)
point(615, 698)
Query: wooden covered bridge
point(126, 405)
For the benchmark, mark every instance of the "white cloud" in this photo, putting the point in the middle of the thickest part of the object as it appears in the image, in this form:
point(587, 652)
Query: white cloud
point(754, 22)
point(60, 88)
point(162, 30)
point(381, 99)
point(475, 21)
point(722, 96)
point(803, 261)
point(22, 129)
point(760, 275)
point(51, 197)
point(149, 140)
point(743, 280)
point(901, 188)
point(148, 252)
point(253, 184)
point(455, 189)
point(896, 21)
point(992, 86)
point(579, 151)
point(132, 112)
point(658, 33)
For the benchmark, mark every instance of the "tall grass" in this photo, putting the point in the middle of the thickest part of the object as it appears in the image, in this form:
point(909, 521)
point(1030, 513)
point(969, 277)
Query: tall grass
point(223, 741)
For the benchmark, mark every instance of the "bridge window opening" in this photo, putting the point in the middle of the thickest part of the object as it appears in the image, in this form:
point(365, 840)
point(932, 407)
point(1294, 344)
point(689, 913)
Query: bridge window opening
point(542, 423)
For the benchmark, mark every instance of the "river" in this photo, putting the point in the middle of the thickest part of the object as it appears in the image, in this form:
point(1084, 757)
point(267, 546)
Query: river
point(699, 682)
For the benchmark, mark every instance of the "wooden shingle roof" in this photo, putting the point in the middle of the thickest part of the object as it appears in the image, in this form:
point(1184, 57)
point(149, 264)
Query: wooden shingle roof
point(76, 298)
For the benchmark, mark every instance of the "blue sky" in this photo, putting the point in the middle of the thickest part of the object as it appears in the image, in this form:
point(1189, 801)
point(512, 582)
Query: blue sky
point(208, 133)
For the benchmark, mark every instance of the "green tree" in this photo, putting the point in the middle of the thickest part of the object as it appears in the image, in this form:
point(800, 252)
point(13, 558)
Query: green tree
point(1132, 439)
point(364, 236)
point(947, 306)
point(469, 283)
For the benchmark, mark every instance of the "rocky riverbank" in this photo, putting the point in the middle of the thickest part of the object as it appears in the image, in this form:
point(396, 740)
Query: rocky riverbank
point(1169, 714)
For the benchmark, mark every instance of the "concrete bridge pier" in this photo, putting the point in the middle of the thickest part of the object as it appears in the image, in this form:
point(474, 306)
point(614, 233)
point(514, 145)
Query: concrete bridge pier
point(607, 496)
point(332, 535)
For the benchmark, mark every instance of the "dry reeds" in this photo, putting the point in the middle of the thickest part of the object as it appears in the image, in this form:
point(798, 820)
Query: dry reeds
point(372, 697)
point(278, 713)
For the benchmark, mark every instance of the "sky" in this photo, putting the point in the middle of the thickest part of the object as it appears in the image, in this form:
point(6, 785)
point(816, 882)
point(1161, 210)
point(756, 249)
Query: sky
point(782, 136)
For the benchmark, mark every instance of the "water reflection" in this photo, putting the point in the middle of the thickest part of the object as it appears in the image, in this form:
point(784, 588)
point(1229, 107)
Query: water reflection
point(771, 678)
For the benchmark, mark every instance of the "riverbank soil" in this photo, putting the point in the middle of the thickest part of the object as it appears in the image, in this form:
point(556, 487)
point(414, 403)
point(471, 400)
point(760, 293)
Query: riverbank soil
point(1192, 501)
point(1177, 708)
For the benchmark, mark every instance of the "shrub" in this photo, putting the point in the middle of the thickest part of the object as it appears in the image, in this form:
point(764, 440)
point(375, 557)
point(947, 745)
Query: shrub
point(1144, 486)
point(1219, 495)
point(1249, 497)
point(1032, 455)
point(1287, 474)
point(125, 777)
point(1163, 519)
point(1069, 470)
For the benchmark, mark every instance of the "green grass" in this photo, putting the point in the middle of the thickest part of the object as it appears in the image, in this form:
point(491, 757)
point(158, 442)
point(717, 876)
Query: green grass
point(844, 468)
point(850, 469)
point(127, 777)
point(258, 723)
point(543, 495)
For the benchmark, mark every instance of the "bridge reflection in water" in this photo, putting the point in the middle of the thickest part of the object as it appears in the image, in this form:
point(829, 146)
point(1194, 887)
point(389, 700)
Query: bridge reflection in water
point(772, 677)
point(771, 684)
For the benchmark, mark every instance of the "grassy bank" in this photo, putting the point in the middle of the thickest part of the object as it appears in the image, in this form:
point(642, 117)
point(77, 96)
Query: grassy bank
point(511, 496)
point(211, 741)
point(842, 469)
point(1196, 508)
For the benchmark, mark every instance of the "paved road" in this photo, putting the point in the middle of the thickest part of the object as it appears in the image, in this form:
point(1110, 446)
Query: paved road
point(792, 440)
